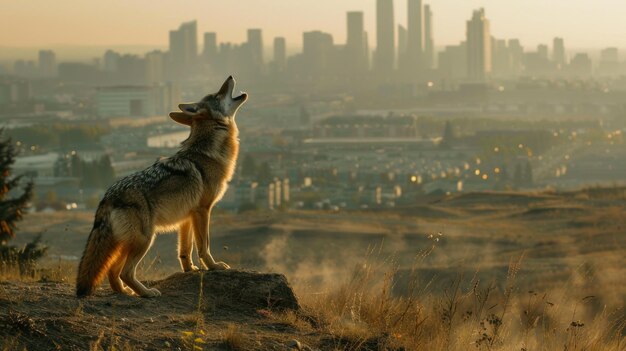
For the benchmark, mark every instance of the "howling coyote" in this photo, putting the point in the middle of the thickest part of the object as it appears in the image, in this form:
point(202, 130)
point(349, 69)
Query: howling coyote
point(176, 192)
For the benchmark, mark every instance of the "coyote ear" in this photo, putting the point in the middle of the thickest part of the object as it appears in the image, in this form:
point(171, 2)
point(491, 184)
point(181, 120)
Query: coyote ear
point(181, 118)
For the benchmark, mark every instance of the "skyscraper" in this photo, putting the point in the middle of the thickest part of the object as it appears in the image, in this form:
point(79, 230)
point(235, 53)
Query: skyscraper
point(415, 27)
point(47, 63)
point(355, 43)
point(609, 62)
point(110, 61)
point(543, 51)
point(403, 41)
point(516, 50)
point(280, 54)
point(183, 48)
point(429, 40)
point(385, 39)
point(478, 47)
point(317, 50)
point(558, 53)
point(155, 67)
point(255, 44)
point(209, 50)
point(501, 59)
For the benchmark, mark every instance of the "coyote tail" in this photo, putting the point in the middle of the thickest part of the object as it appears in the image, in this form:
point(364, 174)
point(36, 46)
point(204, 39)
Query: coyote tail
point(100, 252)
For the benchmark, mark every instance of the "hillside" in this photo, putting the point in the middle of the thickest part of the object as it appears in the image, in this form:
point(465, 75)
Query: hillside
point(495, 271)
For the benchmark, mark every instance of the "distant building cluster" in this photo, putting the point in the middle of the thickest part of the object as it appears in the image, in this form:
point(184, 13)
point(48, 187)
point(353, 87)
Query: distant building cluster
point(333, 125)
point(405, 55)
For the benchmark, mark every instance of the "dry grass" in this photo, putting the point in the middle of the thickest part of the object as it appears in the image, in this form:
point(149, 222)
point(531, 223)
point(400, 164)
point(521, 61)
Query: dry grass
point(233, 339)
point(363, 313)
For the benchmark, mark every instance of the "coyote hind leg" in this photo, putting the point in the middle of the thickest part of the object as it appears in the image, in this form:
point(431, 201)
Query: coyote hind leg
point(114, 276)
point(136, 251)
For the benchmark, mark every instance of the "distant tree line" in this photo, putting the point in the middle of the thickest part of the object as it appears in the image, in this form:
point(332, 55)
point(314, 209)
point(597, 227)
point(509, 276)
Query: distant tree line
point(260, 173)
point(58, 135)
point(92, 174)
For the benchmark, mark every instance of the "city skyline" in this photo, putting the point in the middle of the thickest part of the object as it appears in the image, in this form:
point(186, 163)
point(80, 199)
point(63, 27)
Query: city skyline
point(55, 29)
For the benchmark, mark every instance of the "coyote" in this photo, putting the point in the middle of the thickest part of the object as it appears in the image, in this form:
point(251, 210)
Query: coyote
point(176, 192)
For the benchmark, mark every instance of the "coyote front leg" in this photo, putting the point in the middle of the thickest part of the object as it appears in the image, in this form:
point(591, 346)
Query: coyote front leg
point(185, 244)
point(200, 221)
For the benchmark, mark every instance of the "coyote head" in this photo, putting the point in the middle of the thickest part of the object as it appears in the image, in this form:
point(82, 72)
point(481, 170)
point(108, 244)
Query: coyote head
point(221, 106)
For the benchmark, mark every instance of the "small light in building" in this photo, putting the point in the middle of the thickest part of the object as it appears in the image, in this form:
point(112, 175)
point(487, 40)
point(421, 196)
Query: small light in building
point(18, 143)
point(497, 170)
point(477, 172)
point(413, 179)
point(485, 177)
point(477, 161)
point(431, 84)
point(73, 152)
point(501, 88)
point(556, 134)
point(32, 148)
point(520, 146)
point(496, 149)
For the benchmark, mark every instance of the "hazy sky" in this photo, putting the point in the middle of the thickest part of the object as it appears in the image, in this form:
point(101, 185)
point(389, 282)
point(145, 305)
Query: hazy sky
point(47, 23)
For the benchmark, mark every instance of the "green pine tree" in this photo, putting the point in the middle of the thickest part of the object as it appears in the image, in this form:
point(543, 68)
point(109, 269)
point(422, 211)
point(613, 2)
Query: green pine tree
point(14, 199)
point(11, 208)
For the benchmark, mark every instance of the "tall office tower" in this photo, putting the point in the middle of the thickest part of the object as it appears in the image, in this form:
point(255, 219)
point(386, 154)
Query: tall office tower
point(609, 62)
point(255, 45)
point(110, 60)
point(453, 64)
point(543, 51)
point(429, 38)
point(356, 54)
point(610, 55)
point(478, 47)
point(317, 51)
point(403, 41)
point(415, 27)
point(501, 59)
point(155, 67)
point(558, 53)
point(580, 66)
point(366, 46)
point(209, 50)
point(516, 50)
point(280, 53)
point(385, 39)
point(183, 49)
point(47, 63)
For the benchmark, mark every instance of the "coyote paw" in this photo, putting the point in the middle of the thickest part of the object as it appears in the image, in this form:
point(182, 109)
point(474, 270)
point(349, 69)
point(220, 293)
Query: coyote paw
point(151, 293)
point(192, 268)
point(219, 266)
